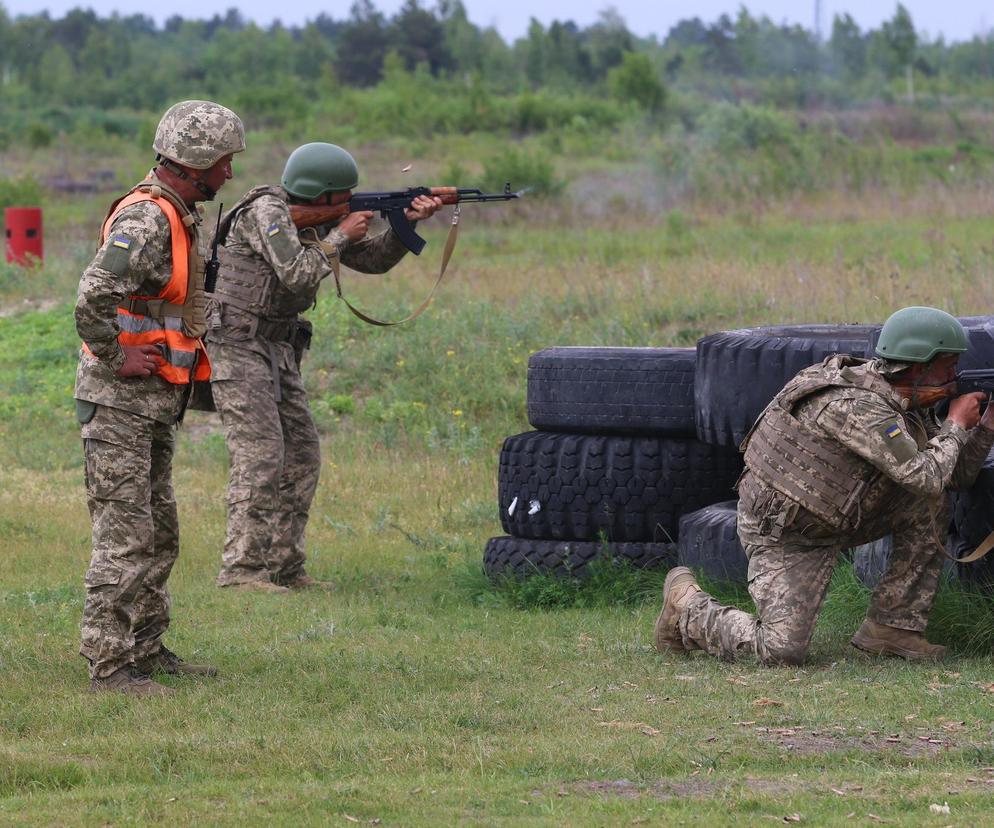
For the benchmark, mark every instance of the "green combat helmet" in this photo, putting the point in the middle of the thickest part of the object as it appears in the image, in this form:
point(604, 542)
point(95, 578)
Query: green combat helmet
point(318, 168)
point(919, 334)
point(198, 134)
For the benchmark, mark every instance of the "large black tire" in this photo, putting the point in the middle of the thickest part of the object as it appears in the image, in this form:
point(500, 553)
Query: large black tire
point(973, 521)
point(612, 390)
point(623, 489)
point(521, 557)
point(739, 372)
point(973, 509)
point(870, 561)
point(980, 332)
point(709, 543)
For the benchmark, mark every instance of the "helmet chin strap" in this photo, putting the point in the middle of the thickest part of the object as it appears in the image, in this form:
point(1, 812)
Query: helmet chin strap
point(179, 172)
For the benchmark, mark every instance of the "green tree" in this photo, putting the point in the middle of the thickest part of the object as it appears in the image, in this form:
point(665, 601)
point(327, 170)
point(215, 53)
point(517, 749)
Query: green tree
point(534, 47)
point(636, 80)
point(419, 37)
point(365, 41)
point(608, 40)
point(57, 75)
point(847, 47)
point(893, 47)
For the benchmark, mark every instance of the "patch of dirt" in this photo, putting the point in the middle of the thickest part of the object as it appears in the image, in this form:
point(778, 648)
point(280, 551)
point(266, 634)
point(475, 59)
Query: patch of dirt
point(26, 305)
point(803, 742)
point(691, 787)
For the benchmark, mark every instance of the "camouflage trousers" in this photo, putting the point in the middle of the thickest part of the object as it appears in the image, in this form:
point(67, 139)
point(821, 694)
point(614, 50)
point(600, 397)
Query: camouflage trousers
point(275, 462)
point(789, 576)
point(129, 493)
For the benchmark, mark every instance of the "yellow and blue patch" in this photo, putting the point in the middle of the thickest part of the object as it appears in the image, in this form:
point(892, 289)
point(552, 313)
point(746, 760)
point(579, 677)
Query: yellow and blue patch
point(272, 230)
point(893, 430)
point(121, 242)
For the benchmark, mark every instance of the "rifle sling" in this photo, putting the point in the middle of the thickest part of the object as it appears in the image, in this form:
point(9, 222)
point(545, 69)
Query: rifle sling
point(985, 546)
point(450, 246)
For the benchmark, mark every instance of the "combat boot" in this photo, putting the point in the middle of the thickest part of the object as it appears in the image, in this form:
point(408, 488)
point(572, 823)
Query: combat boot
point(259, 586)
point(304, 581)
point(678, 588)
point(131, 681)
point(878, 639)
point(166, 661)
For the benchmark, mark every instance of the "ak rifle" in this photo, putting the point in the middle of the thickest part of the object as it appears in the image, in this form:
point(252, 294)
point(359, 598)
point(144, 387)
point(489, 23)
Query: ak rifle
point(391, 206)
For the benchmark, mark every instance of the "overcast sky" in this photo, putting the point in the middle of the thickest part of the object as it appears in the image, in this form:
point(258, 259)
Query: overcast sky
point(955, 19)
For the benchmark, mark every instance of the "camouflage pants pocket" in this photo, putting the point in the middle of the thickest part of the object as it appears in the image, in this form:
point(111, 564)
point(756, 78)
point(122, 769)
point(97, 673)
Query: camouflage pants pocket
point(101, 574)
point(113, 473)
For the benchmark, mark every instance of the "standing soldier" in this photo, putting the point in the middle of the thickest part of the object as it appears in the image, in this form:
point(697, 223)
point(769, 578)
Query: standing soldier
point(849, 451)
point(140, 314)
point(268, 276)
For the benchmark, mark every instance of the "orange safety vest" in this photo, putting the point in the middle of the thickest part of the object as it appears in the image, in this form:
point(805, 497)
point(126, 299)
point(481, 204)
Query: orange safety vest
point(180, 353)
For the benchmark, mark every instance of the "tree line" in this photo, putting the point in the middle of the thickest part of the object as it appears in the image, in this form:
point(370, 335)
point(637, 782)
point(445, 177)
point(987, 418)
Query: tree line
point(130, 62)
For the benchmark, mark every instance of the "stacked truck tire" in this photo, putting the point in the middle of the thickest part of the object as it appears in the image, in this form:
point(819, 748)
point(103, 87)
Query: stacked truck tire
point(611, 467)
point(635, 453)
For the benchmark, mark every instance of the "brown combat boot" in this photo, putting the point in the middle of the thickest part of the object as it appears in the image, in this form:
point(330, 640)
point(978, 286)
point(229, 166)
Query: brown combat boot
point(166, 661)
point(131, 681)
point(304, 581)
point(678, 588)
point(878, 639)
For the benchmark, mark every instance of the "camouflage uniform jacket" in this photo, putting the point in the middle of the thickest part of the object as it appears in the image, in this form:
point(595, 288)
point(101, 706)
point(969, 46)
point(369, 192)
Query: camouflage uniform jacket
point(877, 442)
point(144, 269)
point(268, 275)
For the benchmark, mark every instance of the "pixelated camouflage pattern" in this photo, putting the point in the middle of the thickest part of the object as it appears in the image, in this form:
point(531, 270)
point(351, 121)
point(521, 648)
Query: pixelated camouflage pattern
point(275, 462)
point(128, 462)
point(792, 552)
point(146, 272)
point(862, 425)
point(273, 444)
point(263, 242)
point(198, 134)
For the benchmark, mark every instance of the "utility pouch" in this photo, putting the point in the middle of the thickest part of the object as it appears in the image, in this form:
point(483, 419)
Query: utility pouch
point(201, 397)
point(85, 411)
point(302, 340)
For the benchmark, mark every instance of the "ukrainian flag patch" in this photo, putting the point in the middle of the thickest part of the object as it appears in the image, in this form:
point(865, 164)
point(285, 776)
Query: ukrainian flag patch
point(272, 230)
point(121, 242)
point(893, 430)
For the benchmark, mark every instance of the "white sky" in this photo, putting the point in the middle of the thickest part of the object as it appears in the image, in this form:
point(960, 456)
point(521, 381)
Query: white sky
point(955, 19)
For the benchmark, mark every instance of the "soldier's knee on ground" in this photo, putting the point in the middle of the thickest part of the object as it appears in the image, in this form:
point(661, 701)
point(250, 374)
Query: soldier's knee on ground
point(783, 653)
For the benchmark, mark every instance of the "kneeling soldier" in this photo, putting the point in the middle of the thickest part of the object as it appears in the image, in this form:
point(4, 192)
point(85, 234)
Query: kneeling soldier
point(849, 451)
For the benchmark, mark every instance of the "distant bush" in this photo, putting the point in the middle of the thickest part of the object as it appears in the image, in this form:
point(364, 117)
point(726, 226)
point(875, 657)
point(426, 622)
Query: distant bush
point(19, 192)
point(729, 128)
point(636, 81)
point(524, 169)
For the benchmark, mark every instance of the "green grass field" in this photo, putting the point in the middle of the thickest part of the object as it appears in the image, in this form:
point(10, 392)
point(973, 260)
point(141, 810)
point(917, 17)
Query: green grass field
point(416, 693)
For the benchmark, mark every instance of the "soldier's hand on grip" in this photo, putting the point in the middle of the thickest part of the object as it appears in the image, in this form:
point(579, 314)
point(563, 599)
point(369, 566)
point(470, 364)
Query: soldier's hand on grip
point(139, 361)
point(965, 410)
point(987, 420)
point(423, 207)
point(356, 225)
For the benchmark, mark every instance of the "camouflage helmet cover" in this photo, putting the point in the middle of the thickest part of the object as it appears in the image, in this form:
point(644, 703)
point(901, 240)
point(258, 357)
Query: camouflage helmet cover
point(198, 134)
point(317, 168)
point(918, 334)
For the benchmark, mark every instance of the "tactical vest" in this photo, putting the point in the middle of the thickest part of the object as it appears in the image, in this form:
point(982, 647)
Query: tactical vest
point(802, 462)
point(249, 283)
point(173, 320)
